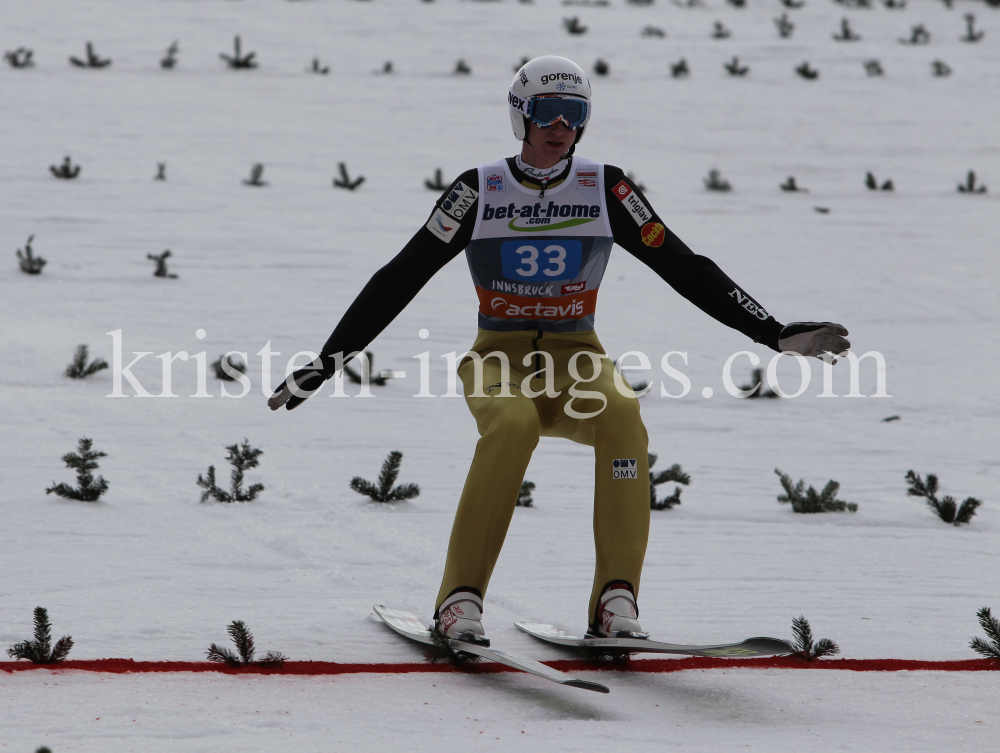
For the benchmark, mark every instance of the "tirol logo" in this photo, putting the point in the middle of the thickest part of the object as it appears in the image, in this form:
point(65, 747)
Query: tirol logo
point(626, 469)
point(573, 287)
point(494, 182)
point(653, 234)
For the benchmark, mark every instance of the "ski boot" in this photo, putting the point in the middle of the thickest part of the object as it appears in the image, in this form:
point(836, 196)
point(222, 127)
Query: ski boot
point(617, 613)
point(460, 617)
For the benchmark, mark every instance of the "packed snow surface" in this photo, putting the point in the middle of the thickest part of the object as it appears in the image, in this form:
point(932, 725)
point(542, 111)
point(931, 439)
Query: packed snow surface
point(150, 573)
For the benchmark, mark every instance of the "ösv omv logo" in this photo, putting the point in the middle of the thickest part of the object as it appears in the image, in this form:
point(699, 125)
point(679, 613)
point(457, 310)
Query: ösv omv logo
point(538, 217)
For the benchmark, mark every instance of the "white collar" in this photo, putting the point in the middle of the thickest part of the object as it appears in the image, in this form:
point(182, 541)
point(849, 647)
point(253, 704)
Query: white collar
point(539, 173)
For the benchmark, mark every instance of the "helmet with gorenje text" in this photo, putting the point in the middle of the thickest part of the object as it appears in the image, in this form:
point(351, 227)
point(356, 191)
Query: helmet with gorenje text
point(548, 89)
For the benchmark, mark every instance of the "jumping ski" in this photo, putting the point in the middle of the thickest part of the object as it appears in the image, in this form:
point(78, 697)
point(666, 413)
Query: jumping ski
point(749, 647)
point(407, 625)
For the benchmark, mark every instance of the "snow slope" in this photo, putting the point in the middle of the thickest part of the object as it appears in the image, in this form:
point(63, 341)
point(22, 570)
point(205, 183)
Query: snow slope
point(150, 573)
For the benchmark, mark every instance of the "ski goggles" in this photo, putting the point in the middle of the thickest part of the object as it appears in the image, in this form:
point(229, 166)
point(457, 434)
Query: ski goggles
point(545, 110)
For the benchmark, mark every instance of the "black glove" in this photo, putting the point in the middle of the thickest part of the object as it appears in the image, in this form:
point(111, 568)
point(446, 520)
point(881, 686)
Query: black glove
point(814, 339)
point(299, 386)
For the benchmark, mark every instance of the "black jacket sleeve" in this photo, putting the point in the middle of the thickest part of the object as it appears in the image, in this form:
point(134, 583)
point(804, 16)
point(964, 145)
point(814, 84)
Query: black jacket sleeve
point(397, 283)
point(639, 230)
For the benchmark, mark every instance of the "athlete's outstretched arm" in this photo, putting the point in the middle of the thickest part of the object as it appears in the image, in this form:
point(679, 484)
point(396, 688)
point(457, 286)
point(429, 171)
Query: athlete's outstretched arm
point(387, 293)
point(640, 231)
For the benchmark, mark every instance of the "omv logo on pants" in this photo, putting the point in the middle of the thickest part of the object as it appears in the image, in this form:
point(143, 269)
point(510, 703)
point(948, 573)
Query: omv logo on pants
point(547, 259)
point(625, 468)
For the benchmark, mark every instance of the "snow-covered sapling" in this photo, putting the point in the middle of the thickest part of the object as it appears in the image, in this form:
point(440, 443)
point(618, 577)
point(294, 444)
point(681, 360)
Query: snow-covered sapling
point(66, 171)
point(387, 68)
point(846, 33)
point(785, 27)
point(947, 509)
point(812, 501)
point(735, 69)
point(244, 655)
point(918, 35)
point(991, 625)
point(793, 4)
point(673, 473)
point(719, 31)
point(792, 187)
point(366, 371)
point(738, 3)
point(631, 177)
point(344, 181)
point(873, 67)
point(384, 492)
point(680, 69)
point(161, 265)
point(80, 369)
point(437, 184)
point(256, 176)
point(601, 67)
point(759, 386)
point(804, 646)
point(573, 25)
point(970, 184)
point(237, 60)
point(242, 458)
point(29, 263)
point(653, 31)
point(88, 489)
point(971, 33)
point(806, 72)
point(524, 495)
point(859, 4)
point(715, 181)
point(894, 4)
point(462, 68)
point(169, 60)
point(161, 171)
point(19, 58)
point(41, 650)
point(92, 61)
point(873, 185)
point(940, 69)
point(640, 2)
point(227, 368)
point(318, 68)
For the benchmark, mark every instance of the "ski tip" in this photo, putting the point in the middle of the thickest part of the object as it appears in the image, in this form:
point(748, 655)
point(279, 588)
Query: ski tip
point(587, 685)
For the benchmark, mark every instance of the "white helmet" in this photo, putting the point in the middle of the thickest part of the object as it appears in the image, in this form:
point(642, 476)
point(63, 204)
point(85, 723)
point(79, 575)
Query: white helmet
point(560, 84)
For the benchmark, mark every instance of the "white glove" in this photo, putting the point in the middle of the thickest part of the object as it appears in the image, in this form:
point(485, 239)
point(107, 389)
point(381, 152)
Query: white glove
point(814, 339)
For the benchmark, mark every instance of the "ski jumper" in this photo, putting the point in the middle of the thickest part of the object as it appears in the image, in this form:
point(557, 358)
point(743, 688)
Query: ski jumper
point(537, 251)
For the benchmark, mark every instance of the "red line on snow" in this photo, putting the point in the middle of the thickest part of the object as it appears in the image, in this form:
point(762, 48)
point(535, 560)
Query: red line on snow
point(319, 668)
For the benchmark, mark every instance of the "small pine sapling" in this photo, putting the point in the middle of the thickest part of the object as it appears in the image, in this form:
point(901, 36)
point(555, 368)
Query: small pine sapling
point(92, 61)
point(19, 58)
point(680, 69)
point(806, 71)
point(88, 489)
point(161, 265)
point(991, 625)
point(673, 473)
point(318, 68)
point(169, 60)
point(344, 181)
point(812, 501)
point(366, 372)
point(387, 68)
point(846, 33)
point(244, 654)
point(804, 646)
point(894, 4)
point(653, 31)
point(971, 33)
point(238, 61)
point(66, 171)
point(28, 262)
point(792, 187)
point(242, 458)
point(889, 419)
point(857, 4)
point(970, 185)
point(940, 69)
point(437, 184)
point(161, 171)
point(734, 68)
point(738, 3)
point(43, 749)
point(873, 185)
point(873, 68)
point(918, 35)
point(601, 68)
point(719, 31)
point(573, 25)
point(80, 369)
point(383, 492)
point(785, 27)
point(715, 181)
point(947, 509)
point(256, 175)
point(227, 368)
point(524, 498)
point(41, 650)
point(793, 4)
point(758, 385)
point(462, 68)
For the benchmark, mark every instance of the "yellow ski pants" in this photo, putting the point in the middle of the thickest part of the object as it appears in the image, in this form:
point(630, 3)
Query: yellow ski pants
point(512, 410)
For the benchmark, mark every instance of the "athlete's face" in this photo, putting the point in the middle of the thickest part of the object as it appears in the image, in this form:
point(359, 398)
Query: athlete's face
point(547, 145)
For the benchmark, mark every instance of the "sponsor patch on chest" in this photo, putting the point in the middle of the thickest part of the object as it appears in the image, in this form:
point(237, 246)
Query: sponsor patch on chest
point(639, 211)
point(494, 182)
point(586, 179)
point(627, 469)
